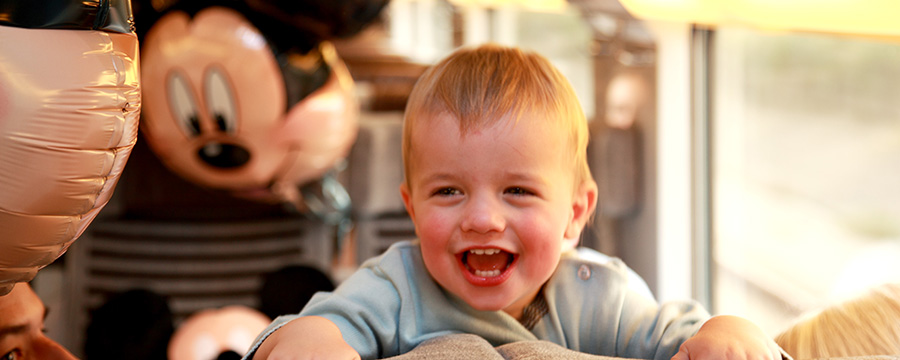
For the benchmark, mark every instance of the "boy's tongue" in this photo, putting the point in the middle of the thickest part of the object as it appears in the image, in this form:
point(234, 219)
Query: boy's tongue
point(486, 262)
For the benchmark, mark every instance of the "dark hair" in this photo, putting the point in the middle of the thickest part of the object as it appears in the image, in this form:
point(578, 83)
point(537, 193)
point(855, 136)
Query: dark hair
point(287, 290)
point(136, 324)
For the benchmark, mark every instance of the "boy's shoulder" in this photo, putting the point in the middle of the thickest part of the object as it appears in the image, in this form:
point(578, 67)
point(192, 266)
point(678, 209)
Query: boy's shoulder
point(587, 256)
point(586, 263)
point(397, 250)
point(591, 255)
point(400, 257)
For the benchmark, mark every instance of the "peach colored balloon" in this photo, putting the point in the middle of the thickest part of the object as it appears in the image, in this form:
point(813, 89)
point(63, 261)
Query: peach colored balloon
point(69, 106)
point(216, 111)
point(208, 333)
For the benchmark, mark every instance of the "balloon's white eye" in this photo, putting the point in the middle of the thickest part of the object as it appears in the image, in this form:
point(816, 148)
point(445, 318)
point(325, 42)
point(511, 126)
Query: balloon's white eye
point(240, 340)
point(205, 346)
point(220, 100)
point(183, 105)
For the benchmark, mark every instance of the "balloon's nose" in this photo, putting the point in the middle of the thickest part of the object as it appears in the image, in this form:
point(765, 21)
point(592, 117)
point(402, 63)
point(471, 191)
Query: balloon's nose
point(225, 156)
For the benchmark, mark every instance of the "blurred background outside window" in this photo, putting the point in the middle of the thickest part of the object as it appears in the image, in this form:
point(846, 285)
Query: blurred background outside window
point(805, 165)
point(428, 30)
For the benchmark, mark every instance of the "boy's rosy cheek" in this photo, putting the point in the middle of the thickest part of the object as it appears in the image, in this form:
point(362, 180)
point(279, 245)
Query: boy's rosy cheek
point(430, 220)
point(428, 233)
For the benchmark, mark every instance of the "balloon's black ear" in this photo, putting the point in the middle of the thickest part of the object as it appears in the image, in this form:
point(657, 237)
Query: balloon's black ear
point(110, 16)
point(229, 355)
point(322, 19)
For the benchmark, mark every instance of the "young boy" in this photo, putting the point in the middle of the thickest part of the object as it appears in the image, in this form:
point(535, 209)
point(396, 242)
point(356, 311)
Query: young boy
point(498, 186)
point(22, 333)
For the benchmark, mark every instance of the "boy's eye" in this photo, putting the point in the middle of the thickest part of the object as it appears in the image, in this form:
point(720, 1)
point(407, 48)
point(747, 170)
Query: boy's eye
point(12, 355)
point(515, 190)
point(446, 192)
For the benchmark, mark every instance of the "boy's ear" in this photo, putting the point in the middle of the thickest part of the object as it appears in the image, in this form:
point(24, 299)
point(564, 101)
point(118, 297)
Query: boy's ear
point(407, 200)
point(583, 204)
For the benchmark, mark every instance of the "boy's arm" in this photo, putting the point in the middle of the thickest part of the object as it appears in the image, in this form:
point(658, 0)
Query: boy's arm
point(363, 311)
point(729, 337)
point(307, 337)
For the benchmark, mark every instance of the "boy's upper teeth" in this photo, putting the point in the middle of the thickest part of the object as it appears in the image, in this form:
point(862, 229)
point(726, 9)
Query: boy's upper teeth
point(484, 251)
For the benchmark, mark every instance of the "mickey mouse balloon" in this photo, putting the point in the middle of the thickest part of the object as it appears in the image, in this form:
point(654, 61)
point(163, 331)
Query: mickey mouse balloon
point(209, 333)
point(69, 104)
point(226, 110)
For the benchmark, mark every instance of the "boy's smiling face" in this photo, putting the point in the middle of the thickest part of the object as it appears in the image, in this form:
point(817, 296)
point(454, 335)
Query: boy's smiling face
point(492, 207)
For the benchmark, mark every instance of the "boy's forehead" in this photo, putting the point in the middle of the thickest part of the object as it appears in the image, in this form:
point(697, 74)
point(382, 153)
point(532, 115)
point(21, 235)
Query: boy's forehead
point(449, 122)
point(20, 304)
point(445, 129)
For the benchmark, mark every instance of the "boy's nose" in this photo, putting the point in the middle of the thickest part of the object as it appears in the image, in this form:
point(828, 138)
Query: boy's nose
point(483, 215)
point(45, 348)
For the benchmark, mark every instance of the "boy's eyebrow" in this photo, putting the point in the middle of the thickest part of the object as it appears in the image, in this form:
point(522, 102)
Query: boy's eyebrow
point(12, 330)
point(528, 178)
point(531, 178)
point(18, 329)
point(525, 176)
point(438, 176)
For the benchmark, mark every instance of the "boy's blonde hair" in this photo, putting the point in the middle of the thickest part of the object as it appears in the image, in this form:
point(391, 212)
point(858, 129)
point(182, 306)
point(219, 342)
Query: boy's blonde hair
point(867, 325)
point(481, 86)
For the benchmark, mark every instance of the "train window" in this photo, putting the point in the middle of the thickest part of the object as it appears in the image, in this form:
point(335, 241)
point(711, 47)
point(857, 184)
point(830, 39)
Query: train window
point(805, 171)
point(428, 30)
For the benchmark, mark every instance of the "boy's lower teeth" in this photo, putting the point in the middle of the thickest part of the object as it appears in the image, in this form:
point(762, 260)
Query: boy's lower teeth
point(490, 273)
point(486, 263)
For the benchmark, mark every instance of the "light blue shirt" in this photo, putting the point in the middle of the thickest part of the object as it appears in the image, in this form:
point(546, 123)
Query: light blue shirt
point(597, 305)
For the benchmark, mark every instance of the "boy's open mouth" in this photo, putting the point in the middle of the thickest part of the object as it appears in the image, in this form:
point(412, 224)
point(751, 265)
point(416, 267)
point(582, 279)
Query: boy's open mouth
point(486, 263)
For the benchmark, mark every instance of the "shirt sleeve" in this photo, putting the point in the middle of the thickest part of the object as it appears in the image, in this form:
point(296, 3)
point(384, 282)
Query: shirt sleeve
point(648, 329)
point(364, 307)
point(656, 331)
point(615, 312)
point(275, 325)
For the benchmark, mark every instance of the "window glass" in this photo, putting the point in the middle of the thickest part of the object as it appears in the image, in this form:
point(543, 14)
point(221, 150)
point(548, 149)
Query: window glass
point(805, 171)
point(428, 30)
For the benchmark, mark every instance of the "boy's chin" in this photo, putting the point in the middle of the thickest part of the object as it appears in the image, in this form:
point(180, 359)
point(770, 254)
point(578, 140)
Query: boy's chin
point(486, 307)
point(480, 302)
point(494, 305)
